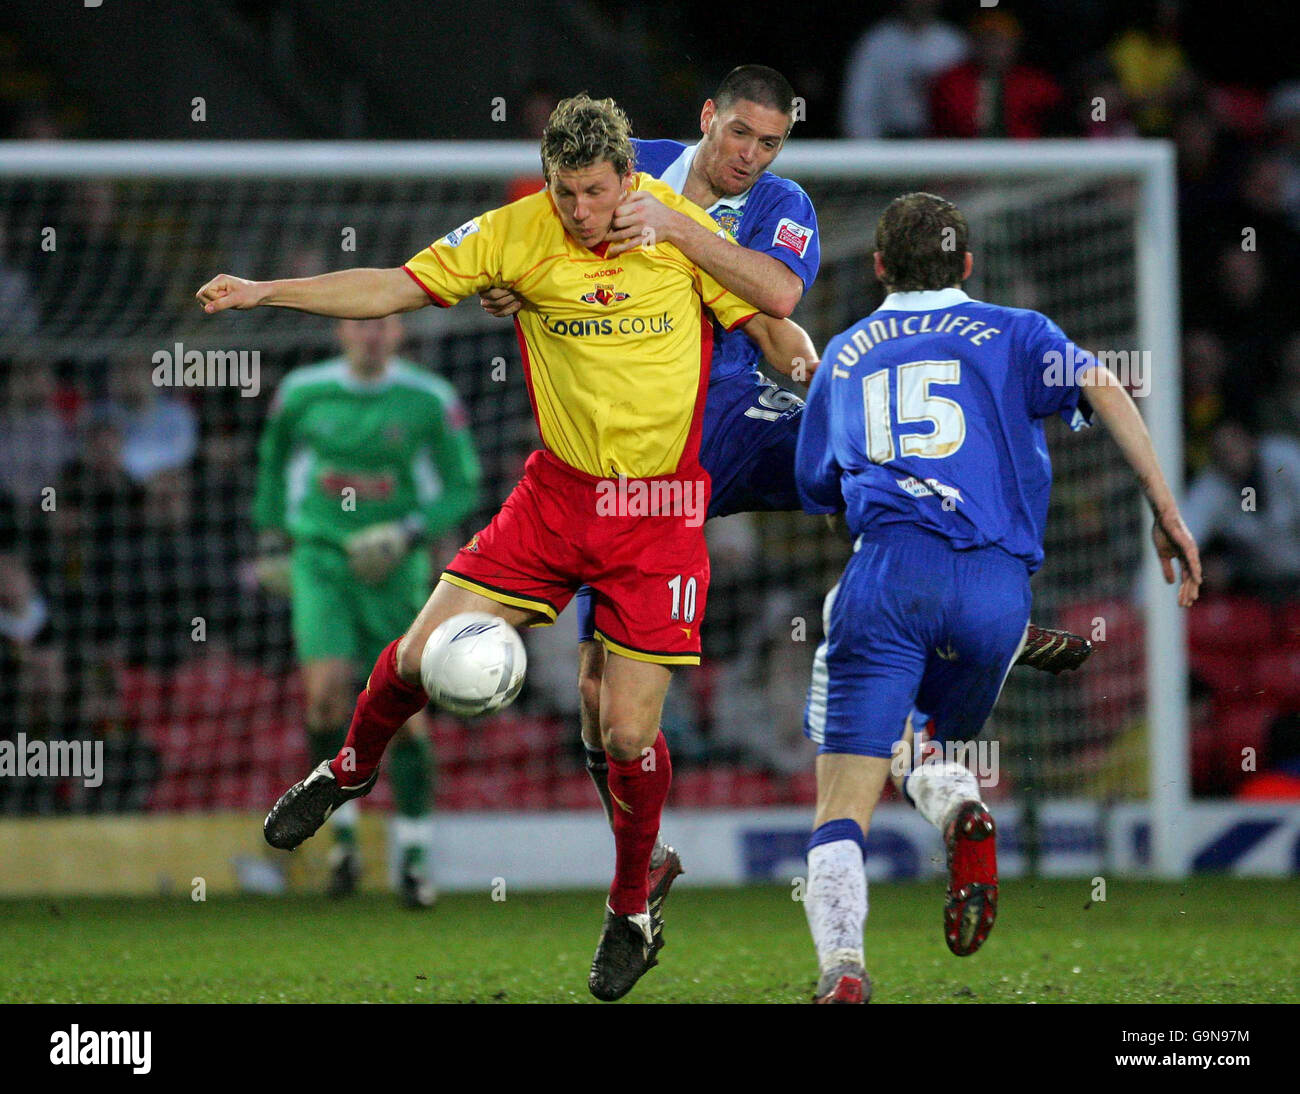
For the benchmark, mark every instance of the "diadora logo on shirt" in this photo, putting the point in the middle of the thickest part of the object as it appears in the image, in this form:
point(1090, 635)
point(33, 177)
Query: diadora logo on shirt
point(604, 294)
point(792, 235)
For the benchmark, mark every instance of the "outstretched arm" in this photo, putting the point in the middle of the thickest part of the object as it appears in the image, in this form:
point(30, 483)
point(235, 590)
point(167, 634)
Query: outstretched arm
point(344, 294)
point(1116, 409)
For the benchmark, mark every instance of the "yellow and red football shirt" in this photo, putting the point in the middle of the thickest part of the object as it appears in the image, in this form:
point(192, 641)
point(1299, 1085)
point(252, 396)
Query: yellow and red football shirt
point(616, 351)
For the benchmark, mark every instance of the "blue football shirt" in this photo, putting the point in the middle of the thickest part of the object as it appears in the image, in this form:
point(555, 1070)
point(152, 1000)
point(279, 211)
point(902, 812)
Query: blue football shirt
point(929, 412)
point(774, 216)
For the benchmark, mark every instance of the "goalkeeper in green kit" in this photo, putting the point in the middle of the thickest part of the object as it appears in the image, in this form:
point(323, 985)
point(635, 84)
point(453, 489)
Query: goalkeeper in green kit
point(364, 460)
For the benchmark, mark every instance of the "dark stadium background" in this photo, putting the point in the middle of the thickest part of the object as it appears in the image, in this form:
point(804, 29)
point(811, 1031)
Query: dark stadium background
point(424, 71)
point(300, 70)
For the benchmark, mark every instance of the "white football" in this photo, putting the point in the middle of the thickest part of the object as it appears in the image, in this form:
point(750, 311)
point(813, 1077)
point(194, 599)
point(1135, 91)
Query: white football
point(474, 663)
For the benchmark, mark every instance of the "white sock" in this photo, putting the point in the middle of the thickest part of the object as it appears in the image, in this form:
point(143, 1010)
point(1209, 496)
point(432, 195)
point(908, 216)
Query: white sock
point(836, 903)
point(935, 788)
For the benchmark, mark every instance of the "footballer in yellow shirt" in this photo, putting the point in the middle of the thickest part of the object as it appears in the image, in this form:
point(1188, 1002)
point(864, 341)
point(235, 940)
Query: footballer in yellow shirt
point(617, 356)
point(612, 347)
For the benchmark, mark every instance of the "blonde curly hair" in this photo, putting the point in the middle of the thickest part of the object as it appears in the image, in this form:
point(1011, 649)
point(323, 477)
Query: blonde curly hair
point(583, 131)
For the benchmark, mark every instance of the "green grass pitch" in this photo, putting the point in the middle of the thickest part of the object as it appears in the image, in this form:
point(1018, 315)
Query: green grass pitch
point(1208, 940)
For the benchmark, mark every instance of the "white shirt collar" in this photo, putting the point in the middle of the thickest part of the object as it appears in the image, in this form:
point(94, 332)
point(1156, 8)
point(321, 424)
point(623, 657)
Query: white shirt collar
point(677, 172)
point(924, 300)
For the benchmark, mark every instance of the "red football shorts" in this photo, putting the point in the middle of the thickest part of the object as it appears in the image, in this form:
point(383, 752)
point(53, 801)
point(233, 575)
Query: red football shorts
point(639, 543)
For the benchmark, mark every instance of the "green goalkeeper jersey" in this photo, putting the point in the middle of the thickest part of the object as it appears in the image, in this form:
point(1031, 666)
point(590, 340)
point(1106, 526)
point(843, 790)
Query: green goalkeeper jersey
point(339, 454)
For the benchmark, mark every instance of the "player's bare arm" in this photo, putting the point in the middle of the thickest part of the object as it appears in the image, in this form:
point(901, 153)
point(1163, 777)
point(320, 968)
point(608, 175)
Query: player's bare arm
point(784, 344)
point(344, 294)
point(1116, 409)
point(759, 278)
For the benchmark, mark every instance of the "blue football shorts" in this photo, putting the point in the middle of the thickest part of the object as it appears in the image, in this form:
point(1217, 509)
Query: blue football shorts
point(914, 626)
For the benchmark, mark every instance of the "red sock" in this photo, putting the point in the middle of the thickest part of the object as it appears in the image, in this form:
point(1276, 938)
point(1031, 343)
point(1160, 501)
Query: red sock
point(382, 709)
point(639, 788)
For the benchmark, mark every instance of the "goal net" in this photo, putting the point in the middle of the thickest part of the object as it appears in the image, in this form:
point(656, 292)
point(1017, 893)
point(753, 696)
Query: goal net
point(126, 504)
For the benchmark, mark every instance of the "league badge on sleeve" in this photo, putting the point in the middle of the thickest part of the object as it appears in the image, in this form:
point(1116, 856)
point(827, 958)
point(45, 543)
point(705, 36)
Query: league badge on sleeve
point(792, 235)
point(468, 228)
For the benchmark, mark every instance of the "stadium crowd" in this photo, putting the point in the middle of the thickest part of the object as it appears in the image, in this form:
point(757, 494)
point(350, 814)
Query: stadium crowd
point(122, 505)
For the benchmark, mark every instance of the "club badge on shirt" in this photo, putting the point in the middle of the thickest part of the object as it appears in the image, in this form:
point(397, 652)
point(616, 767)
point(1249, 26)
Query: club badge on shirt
point(604, 294)
point(792, 235)
point(729, 220)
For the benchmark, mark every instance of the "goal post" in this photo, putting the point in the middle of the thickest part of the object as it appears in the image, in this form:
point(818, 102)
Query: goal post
point(1085, 231)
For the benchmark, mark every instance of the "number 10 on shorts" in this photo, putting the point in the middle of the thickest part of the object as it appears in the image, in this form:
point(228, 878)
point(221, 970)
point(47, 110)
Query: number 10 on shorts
point(683, 598)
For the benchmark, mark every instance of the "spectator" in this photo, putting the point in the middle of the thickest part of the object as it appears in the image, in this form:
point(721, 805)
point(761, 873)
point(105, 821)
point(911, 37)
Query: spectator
point(1205, 181)
point(1237, 304)
point(130, 761)
point(758, 708)
point(1284, 115)
point(1205, 364)
point(1261, 207)
point(1246, 224)
point(33, 681)
point(180, 575)
point(100, 521)
point(19, 312)
point(1152, 68)
point(37, 123)
point(97, 264)
point(993, 94)
point(224, 480)
point(887, 79)
point(1102, 110)
point(1281, 410)
point(35, 442)
point(1245, 508)
point(539, 100)
point(161, 431)
point(24, 614)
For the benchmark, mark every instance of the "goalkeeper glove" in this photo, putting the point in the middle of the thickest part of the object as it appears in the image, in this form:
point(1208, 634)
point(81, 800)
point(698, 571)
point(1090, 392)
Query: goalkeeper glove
point(375, 552)
point(272, 566)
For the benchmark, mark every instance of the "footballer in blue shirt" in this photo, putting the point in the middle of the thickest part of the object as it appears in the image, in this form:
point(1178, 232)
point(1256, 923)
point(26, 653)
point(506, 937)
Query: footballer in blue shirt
point(924, 426)
point(751, 425)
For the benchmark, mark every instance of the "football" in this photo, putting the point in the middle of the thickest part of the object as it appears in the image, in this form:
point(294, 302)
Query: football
point(474, 663)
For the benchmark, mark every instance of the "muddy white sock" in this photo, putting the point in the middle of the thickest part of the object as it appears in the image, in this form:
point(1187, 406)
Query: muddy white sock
point(935, 788)
point(836, 900)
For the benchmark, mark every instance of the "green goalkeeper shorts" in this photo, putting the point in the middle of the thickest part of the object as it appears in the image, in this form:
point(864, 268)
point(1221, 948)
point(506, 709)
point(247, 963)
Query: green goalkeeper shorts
point(335, 614)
